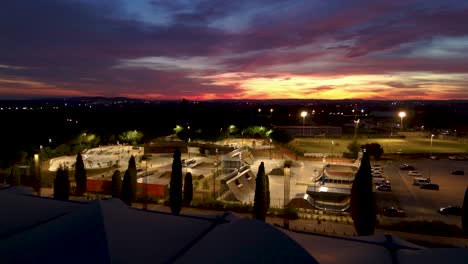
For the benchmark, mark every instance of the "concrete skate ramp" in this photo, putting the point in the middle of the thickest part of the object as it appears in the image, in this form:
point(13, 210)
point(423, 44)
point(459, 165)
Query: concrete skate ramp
point(242, 186)
point(249, 159)
point(301, 201)
point(226, 177)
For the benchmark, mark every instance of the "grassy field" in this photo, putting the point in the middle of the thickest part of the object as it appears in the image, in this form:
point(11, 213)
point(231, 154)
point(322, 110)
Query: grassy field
point(390, 145)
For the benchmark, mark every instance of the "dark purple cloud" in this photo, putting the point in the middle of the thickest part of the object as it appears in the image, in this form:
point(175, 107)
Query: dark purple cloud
point(82, 46)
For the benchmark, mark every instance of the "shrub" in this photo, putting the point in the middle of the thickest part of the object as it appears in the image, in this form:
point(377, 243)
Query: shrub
point(288, 213)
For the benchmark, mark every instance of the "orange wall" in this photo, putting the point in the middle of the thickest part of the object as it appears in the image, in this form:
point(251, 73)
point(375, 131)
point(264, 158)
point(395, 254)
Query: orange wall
point(105, 187)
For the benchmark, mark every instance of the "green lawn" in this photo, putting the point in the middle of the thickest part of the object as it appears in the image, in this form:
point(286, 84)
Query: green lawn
point(390, 145)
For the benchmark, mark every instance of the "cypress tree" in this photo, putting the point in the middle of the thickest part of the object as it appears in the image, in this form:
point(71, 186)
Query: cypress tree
point(116, 184)
point(62, 184)
point(175, 189)
point(260, 204)
point(80, 175)
point(133, 178)
point(464, 217)
point(126, 196)
point(363, 208)
point(188, 189)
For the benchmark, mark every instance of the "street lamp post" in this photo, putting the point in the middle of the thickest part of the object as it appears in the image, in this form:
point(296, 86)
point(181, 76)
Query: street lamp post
point(430, 153)
point(401, 115)
point(242, 138)
point(303, 114)
point(188, 148)
point(332, 150)
point(430, 156)
point(145, 188)
point(286, 194)
point(270, 147)
point(356, 125)
point(214, 176)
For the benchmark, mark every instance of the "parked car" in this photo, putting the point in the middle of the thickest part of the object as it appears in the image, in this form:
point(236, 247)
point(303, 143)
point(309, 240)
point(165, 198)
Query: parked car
point(376, 174)
point(429, 186)
point(384, 187)
point(420, 181)
point(434, 158)
point(393, 211)
point(376, 169)
point(381, 181)
point(458, 172)
point(457, 158)
point(414, 173)
point(406, 167)
point(450, 210)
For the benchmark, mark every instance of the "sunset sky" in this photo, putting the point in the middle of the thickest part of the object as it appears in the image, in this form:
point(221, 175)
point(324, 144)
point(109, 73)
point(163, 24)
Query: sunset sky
point(242, 49)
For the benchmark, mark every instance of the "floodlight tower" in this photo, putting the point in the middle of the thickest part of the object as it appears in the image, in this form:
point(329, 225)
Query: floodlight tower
point(401, 115)
point(303, 114)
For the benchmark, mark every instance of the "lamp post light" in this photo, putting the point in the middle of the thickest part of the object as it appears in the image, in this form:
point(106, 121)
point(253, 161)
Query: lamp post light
point(356, 125)
point(242, 139)
point(303, 114)
point(188, 148)
point(430, 153)
point(214, 176)
point(332, 150)
point(145, 188)
point(270, 147)
point(401, 115)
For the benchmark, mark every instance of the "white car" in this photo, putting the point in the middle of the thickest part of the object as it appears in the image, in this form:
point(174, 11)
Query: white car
point(418, 181)
point(414, 173)
point(376, 174)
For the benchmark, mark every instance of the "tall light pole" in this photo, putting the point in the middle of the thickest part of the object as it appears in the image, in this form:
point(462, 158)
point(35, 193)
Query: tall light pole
point(242, 139)
point(303, 114)
point(214, 176)
point(145, 188)
point(286, 194)
point(270, 147)
point(188, 149)
point(356, 125)
point(430, 153)
point(401, 115)
point(332, 150)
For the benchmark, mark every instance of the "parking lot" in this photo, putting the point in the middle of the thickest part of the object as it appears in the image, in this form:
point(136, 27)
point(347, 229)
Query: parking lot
point(419, 203)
